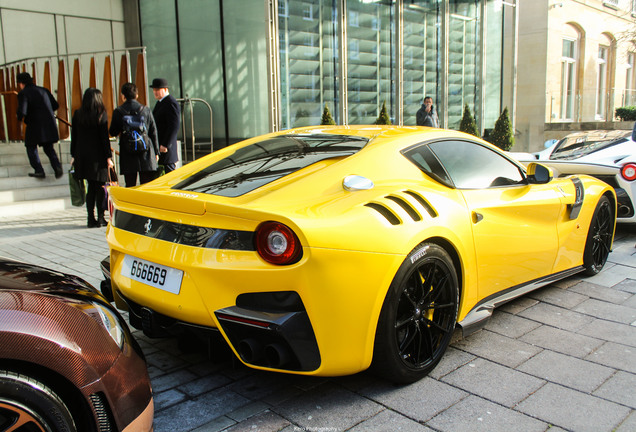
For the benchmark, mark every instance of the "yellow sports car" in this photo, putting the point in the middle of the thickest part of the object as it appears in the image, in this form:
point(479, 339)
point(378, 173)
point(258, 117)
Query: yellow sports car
point(327, 250)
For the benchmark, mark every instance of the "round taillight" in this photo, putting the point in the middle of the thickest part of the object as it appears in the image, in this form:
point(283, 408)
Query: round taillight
point(629, 171)
point(277, 244)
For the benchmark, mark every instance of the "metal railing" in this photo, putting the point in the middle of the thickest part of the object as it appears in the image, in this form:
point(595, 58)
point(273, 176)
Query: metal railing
point(188, 102)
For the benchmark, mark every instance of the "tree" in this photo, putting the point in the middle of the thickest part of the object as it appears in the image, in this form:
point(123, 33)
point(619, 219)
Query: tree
point(326, 117)
point(502, 135)
point(383, 118)
point(468, 123)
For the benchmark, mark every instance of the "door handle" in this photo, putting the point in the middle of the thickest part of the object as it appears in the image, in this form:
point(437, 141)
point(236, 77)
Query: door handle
point(477, 217)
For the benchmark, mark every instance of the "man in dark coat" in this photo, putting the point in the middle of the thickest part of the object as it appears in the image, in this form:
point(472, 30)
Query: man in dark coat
point(167, 116)
point(132, 163)
point(426, 115)
point(36, 106)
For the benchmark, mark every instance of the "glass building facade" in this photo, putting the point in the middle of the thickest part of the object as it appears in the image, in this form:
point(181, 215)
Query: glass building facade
point(266, 65)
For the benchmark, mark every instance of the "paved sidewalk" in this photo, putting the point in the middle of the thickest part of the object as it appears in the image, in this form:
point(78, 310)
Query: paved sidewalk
point(560, 358)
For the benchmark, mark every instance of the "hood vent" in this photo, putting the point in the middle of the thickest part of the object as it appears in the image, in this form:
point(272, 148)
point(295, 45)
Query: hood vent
point(388, 210)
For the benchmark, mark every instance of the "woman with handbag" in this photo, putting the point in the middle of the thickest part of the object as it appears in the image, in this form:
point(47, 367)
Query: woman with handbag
point(91, 153)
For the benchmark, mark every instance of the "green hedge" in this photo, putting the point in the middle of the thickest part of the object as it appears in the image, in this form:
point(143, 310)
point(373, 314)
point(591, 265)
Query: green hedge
point(626, 113)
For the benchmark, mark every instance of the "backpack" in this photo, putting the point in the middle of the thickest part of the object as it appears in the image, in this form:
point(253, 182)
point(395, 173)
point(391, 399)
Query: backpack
point(134, 133)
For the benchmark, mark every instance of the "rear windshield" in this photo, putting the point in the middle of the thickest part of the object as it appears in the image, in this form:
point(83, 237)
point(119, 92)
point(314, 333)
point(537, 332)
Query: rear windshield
point(257, 164)
point(581, 144)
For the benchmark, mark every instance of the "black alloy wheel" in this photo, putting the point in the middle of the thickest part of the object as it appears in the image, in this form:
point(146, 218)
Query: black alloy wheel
point(418, 316)
point(599, 237)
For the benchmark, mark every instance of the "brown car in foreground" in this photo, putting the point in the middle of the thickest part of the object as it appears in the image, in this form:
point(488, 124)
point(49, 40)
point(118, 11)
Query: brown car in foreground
point(68, 361)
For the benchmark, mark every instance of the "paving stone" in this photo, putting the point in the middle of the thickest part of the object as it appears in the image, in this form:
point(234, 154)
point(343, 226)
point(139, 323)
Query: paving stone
point(628, 425)
point(197, 412)
point(610, 331)
point(573, 410)
point(474, 414)
point(266, 421)
point(612, 295)
point(517, 305)
point(607, 311)
point(420, 401)
point(328, 406)
point(510, 325)
point(168, 381)
point(216, 425)
point(556, 317)
point(261, 385)
point(568, 371)
point(621, 388)
point(557, 297)
point(562, 341)
point(204, 384)
point(618, 356)
point(167, 398)
point(615, 275)
point(247, 411)
point(452, 360)
point(627, 285)
point(497, 348)
point(388, 420)
point(164, 361)
point(494, 382)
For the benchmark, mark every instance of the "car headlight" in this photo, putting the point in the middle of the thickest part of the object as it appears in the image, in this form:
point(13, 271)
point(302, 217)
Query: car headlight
point(109, 320)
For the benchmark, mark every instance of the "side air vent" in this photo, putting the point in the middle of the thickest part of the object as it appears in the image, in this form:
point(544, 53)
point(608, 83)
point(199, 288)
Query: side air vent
point(406, 206)
point(384, 211)
point(420, 199)
point(104, 417)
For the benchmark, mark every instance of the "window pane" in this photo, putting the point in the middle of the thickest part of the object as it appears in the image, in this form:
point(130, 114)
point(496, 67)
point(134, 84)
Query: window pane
point(463, 58)
point(422, 56)
point(473, 166)
point(370, 73)
point(202, 67)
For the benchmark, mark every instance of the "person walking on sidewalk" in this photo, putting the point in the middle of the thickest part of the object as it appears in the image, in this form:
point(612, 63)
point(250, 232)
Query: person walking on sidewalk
point(167, 116)
point(90, 149)
point(130, 163)
point(36, 106)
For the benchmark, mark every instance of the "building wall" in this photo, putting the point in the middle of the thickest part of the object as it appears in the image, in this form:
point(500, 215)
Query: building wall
point(43, 27)
point(545, 24)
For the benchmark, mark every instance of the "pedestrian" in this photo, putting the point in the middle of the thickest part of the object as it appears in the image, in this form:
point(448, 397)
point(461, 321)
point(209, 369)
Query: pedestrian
point(167, 116)
point(36, 106)
point(131, 163)
point(91, 152)
point(426, 115)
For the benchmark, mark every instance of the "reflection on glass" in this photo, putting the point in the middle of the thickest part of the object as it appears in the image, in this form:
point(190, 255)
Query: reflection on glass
point(422, 57)
point(463, 58)
point(308, 58)
point(370, 59)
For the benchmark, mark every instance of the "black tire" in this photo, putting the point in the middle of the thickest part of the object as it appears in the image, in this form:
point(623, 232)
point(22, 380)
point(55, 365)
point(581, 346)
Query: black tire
point(27, 400)
point(599, 237)
point(418, 316)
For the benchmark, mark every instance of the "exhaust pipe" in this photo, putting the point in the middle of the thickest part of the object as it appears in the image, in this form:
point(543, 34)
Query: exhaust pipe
point(250, 350)
point(623, 210)
point(276, 355)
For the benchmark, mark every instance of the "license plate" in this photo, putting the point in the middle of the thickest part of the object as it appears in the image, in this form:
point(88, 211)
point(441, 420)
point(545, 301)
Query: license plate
point(155, 275)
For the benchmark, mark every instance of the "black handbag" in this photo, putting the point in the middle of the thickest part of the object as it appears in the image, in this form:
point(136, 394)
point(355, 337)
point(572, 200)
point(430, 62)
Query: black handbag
point(77, 188)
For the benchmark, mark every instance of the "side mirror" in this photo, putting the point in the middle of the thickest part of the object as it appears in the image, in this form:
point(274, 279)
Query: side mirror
point(539, 174)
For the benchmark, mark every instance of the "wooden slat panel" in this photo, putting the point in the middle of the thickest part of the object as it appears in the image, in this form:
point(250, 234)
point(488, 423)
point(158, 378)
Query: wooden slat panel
point(11, 105)
point(141, 81)
point(34, 73)
point(92, 79)
point(108, 89)
point(62, 111)
point(76, 89)
point(124, 76)
point(46, 80)
point(2, 89)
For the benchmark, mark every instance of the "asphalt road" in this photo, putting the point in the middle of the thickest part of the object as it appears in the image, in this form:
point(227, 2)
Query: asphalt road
point(560, 358)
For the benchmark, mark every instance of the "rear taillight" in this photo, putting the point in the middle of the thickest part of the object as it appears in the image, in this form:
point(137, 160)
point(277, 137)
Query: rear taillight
point(277, 244)
point(629, 171)
point(111, 206)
